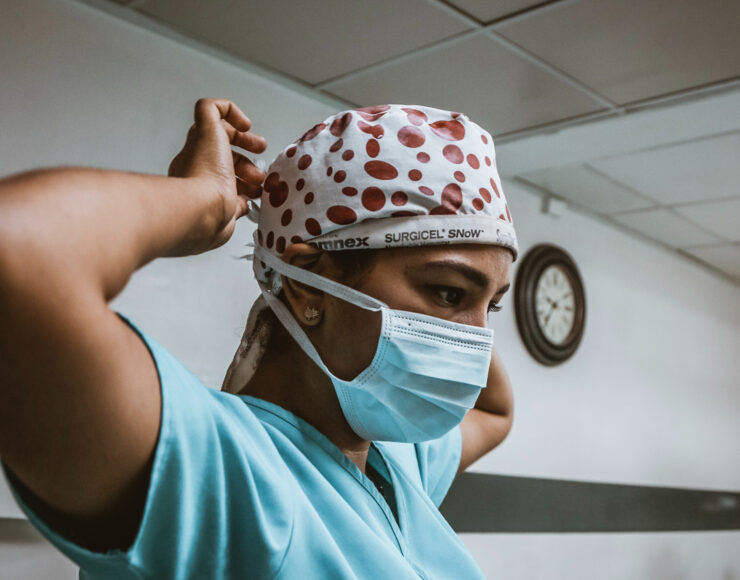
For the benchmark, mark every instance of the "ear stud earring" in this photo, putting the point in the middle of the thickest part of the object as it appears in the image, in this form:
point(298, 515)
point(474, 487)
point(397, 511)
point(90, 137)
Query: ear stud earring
point(311, 313)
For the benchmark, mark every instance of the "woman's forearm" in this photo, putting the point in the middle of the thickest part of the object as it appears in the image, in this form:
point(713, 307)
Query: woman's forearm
point(98, 226)
point(77, 226)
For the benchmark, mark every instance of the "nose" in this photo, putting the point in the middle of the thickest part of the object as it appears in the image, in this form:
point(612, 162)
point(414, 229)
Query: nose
point(478, 316)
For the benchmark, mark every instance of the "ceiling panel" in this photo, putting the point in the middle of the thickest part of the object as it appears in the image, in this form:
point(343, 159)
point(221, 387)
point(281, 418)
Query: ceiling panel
point(586, 187)
point(311, 41)
point(497, 89)
point(723, 217)
point(486, 11)
point(725, 257)
point(694, 171)
point(667, 227)
point(630, 50)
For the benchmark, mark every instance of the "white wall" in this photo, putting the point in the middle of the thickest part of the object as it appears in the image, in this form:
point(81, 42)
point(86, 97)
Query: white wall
point(650, 398)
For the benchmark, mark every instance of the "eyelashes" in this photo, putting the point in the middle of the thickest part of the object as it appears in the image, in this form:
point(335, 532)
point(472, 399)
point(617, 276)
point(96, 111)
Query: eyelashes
point(452, 296)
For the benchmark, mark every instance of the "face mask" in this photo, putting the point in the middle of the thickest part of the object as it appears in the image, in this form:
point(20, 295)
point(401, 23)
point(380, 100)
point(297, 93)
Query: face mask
point(426, 374)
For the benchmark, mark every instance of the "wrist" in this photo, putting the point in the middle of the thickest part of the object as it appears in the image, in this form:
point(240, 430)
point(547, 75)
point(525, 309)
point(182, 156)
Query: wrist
point(201, 206)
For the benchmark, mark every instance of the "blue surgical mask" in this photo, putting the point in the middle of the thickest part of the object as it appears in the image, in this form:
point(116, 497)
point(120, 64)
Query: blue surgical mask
point(427, 372)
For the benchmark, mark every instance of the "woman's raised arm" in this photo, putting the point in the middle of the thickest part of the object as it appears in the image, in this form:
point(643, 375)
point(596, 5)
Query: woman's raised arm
point(79, 395)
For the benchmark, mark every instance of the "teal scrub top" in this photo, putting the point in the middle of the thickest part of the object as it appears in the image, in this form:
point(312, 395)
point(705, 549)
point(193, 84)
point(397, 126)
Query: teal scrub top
point(242, 488)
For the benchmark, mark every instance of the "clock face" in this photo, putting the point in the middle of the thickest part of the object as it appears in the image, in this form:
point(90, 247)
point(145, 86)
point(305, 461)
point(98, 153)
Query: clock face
point(554, 302)
point(550, 304)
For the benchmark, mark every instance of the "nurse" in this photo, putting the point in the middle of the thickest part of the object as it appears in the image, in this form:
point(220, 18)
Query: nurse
point(365, 380)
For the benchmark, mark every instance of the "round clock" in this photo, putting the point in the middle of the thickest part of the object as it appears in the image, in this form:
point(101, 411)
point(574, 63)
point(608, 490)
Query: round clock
point(550, 304)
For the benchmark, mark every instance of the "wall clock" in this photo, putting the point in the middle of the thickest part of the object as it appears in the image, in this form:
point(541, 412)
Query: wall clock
point(549, 304)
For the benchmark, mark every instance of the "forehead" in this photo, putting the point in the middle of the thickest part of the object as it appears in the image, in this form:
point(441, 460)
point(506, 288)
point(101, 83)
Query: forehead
point(493, 261)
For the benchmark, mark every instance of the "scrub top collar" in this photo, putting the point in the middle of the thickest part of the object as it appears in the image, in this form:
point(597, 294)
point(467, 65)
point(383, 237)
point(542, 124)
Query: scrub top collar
point(274, 413)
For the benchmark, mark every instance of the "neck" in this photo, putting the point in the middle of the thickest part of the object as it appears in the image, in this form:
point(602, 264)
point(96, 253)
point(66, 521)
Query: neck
point(287, 377)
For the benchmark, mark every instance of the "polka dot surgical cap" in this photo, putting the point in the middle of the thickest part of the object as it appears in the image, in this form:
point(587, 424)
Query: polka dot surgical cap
point(382, 177)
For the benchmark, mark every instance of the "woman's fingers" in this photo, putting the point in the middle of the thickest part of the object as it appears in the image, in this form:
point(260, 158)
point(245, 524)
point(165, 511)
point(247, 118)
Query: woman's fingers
point(246, 140)
point(247, 171)
point(248, 189)
point(210, 111)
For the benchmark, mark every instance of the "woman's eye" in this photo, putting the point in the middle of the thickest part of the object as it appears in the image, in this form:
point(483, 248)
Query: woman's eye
point(493, 307)
point(452, 296)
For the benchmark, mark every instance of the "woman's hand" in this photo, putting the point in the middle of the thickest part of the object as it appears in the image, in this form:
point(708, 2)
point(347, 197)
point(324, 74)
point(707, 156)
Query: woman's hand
point(229, 177)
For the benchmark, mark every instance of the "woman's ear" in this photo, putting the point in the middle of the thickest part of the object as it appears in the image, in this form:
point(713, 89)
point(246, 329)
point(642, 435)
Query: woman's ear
point(306, 302)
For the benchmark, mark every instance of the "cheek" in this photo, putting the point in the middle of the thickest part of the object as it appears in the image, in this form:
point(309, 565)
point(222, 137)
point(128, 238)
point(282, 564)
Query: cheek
point(350, 337)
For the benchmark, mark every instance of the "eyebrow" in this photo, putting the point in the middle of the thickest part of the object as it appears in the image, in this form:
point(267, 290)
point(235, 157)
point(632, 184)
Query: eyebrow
point(476, 276)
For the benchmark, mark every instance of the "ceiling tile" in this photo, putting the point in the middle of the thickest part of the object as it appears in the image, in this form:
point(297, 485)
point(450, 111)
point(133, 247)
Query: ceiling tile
point(667, 227)
point(311, 41)
point(486, 11)
point(630, 50)
point(722, 217)
point(694, 171)
point(589, 189)
point(725, 257)
point(497, 89)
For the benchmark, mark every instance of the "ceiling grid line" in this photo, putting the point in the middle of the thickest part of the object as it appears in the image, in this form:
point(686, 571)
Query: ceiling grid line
point(490, 31)
point(399, 58)
point(476, 28)
point(618, 183)
point(554, 71)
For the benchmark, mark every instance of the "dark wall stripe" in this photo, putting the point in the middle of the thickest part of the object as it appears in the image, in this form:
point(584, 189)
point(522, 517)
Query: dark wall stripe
point(481, 502)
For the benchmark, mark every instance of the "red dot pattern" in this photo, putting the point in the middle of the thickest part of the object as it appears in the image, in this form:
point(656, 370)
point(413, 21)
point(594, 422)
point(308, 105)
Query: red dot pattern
point(376, 131)
point(341, 214)
point(399, 198)
point(415, 116)
point(313, 227)
point(381, 170)
point(312, 132)
point(372, 148)
point(373, 199)
point(453, 174)
point(449, 130)
point(373, 113)
point(304, 162)
point(411, 136)
point(338, 126)
point(453, 154)
point(286, 218)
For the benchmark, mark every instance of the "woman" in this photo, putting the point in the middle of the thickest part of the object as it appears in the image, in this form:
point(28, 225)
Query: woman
point(357, 392)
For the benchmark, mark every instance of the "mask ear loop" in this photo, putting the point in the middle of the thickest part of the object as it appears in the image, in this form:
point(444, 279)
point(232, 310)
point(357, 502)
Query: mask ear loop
point(315, 281)
point(320, 282)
